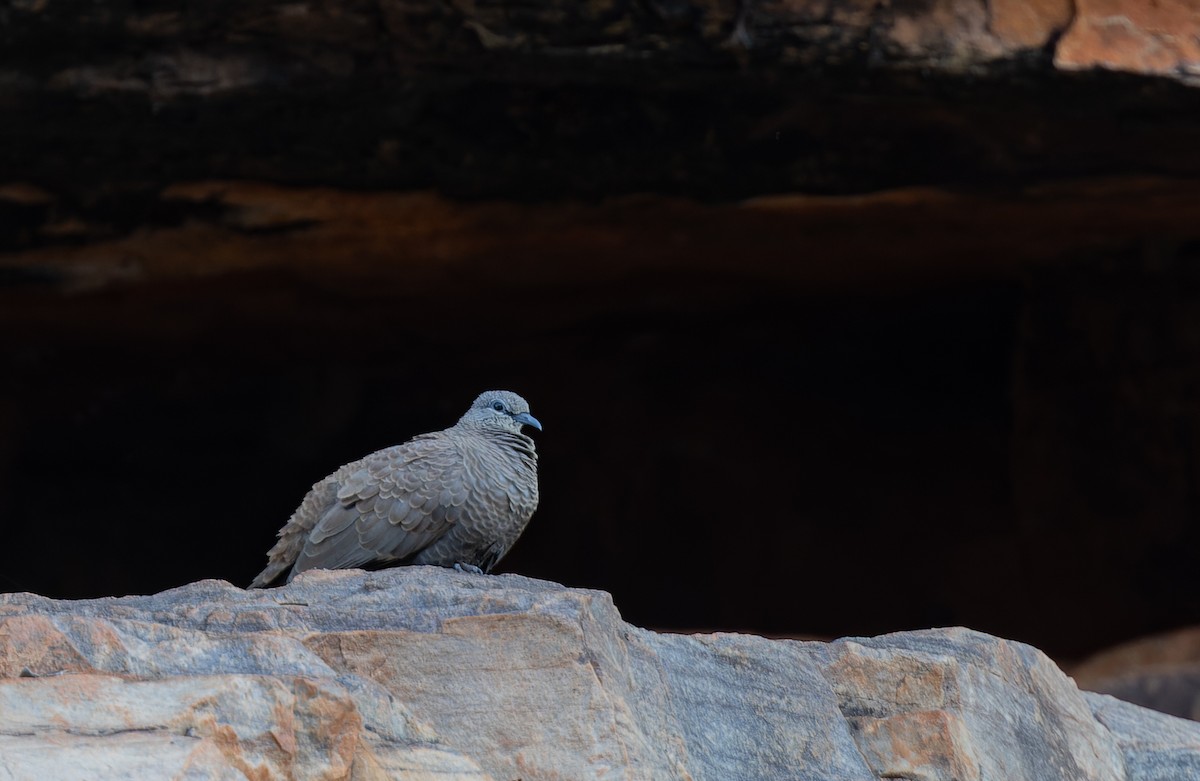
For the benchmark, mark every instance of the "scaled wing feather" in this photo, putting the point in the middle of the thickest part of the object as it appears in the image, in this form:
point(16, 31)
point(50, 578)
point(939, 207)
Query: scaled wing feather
point(390, 508)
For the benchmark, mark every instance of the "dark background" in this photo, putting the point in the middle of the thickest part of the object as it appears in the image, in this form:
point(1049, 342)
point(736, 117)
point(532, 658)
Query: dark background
point(716, 454)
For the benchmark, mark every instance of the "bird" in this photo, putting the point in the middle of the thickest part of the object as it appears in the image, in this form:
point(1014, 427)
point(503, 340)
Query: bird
point(458, 498)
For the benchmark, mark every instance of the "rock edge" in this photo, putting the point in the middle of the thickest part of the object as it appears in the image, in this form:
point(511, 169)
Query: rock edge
point(424, 673)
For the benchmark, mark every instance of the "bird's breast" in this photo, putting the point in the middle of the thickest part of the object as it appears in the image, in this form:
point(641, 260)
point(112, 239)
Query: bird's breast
point(505, 471)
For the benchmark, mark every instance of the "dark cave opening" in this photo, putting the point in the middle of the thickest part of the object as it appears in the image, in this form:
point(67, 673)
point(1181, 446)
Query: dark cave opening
point(718, 453)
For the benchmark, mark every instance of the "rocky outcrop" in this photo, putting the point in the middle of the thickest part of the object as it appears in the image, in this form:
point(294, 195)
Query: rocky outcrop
point(423, 673)
point(561, 99)
point(1149, 38)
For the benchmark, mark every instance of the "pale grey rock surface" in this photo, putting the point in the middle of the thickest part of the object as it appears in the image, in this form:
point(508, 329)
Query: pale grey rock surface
point(424, 673)
point(1155, 746)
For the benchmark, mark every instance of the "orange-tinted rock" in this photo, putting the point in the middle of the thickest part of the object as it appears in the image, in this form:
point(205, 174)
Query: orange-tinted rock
point(1029, 23)
point(426, 673)
point(32, 645)
point(920, 744)
point(923, 705)
point(948, 31)
point(1158, 38)
point(265, 728)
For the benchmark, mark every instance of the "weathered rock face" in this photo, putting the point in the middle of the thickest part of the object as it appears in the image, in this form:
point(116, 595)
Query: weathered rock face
point(423, 673)
point(565, 98)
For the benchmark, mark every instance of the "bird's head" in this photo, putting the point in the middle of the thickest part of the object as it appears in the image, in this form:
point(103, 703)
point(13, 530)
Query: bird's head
point(499, 411)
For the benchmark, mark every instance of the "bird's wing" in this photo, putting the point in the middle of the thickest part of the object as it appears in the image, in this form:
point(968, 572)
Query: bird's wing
point(393, 504)
point(295, 532)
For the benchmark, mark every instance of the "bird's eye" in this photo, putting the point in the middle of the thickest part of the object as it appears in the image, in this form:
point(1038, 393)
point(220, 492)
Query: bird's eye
point(498, 406)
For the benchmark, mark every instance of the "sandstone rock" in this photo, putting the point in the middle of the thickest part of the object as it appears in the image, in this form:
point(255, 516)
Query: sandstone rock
point(231, 726)
point(1029, 22)
point(1160, 38)
point(742, 76)
point(932, 705)
point(1153, 745)
point(129, 756)
point(421, 673)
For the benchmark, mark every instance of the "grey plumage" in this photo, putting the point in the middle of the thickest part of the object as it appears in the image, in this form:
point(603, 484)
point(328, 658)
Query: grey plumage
point(456, 497)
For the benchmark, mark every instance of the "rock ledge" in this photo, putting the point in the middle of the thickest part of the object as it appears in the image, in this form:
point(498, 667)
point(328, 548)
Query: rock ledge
point(423, 673)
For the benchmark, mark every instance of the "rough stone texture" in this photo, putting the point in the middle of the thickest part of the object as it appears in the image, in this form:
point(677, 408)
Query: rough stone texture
point(301, 728)
point(1031, 23)
point(71, 757)
point(425, 673)
point(1152, 744)
point(712, 97)
point(323, 39)
point(1161, 38)
point(1160, 672)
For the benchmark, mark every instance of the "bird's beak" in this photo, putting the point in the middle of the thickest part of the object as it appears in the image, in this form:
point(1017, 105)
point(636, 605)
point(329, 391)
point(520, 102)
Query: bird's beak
point(525, 419)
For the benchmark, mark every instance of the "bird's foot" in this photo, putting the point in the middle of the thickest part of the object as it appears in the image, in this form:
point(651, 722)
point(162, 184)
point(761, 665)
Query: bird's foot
point(464, 567)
